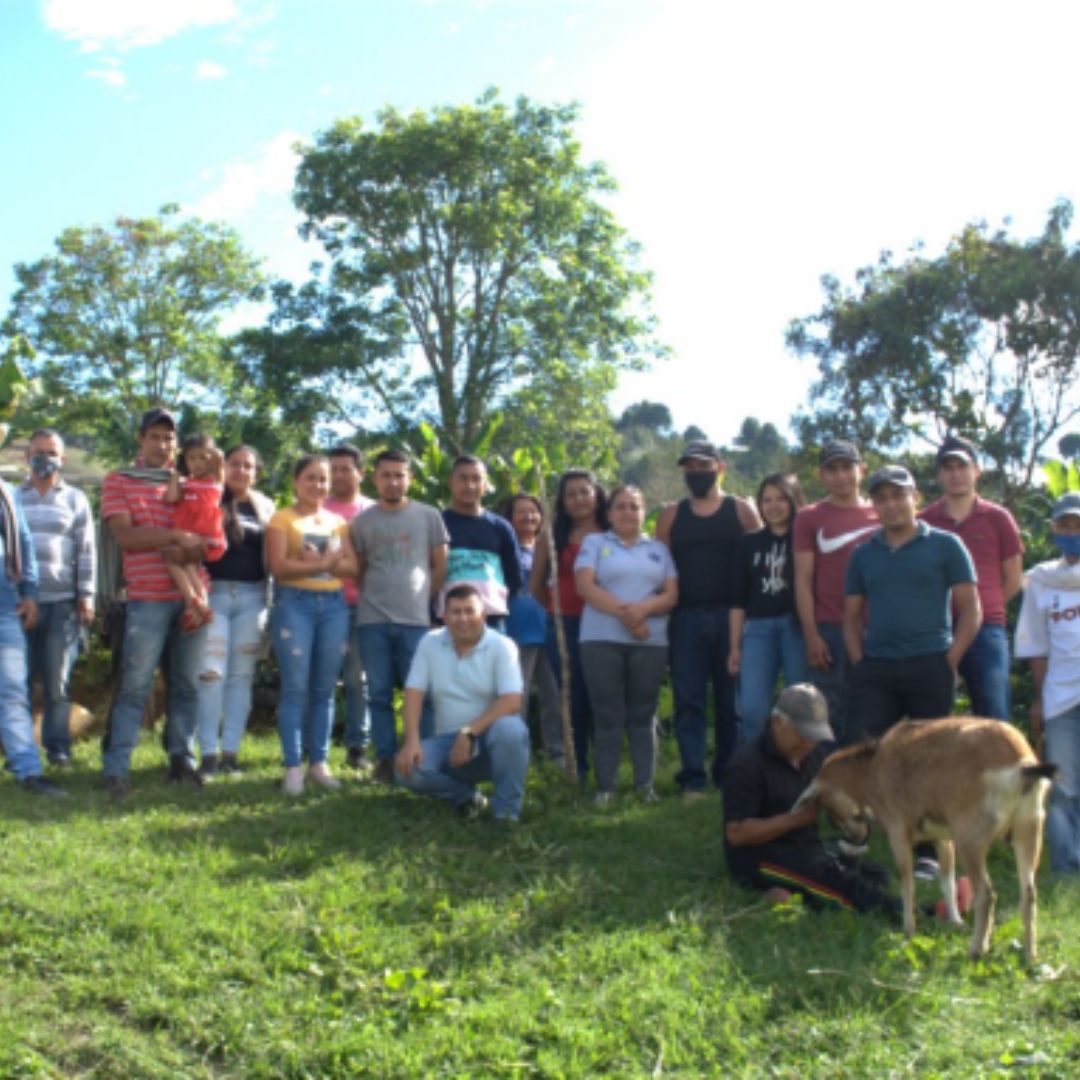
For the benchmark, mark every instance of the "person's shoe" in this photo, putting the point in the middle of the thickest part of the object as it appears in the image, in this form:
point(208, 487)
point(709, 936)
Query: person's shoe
point(603, 798)
point(181, 771)
point(229, 764)
point(208, 767)
point(357, 758)
point(293, 784)
point(647, 795)
point(474, 806)
point(61, 763)
point(117, 788)
point(321, 776)
point(926, 869)
point(384, 771)
point(42, 785)
point(848, 850)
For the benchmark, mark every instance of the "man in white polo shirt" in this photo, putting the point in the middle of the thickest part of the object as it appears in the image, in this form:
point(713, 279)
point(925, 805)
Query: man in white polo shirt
point(474, 679)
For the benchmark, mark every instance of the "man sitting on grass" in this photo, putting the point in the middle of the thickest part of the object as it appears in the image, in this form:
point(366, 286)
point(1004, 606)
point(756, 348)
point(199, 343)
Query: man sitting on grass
point(769, 847)
point(474, 679)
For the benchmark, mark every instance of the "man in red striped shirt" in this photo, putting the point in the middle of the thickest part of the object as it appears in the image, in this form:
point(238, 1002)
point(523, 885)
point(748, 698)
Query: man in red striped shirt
point(141, 522)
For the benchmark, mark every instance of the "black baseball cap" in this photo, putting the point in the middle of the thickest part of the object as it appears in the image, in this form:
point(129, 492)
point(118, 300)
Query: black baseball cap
point(155, 417)
point(955, 446)
point(839, 450)
point(892, 474)
point(699, 451)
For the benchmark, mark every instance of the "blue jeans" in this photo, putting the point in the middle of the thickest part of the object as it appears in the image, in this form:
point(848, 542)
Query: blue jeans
point(16, 723)
point(357, 717)
point(502, 755)
point(699, 652)
point(769, 646)
point(985, 671)
point(386, 652)
point(309, 629)
point(581, 718)
point(151, 629)
point(1061, 745)
point(835, 683)
point(54, 645)
point(233, 641)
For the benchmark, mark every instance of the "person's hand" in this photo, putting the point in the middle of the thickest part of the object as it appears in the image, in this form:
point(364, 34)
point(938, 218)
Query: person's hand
point(953, 659)
point(805, 816)
point(84, 610)
point(186, 541)
point(640, 631)
point(734, 661)
point(27, 610)
point(311, 554)
point(409, 757)
point(461, 752)
point(633, 614)
point(817, 652)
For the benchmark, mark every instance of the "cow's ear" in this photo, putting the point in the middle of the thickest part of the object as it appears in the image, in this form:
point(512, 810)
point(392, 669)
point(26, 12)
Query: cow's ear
point(809, 795)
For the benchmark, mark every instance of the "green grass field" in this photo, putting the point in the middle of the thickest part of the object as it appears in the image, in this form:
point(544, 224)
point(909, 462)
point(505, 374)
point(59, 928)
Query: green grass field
point(230, 933)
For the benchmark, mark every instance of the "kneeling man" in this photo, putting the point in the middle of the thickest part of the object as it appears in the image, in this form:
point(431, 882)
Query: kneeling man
point(474, 679)
point(768, 846)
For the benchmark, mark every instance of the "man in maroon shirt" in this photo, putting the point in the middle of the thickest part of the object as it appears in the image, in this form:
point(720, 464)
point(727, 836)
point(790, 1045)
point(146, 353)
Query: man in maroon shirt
point(990, 534)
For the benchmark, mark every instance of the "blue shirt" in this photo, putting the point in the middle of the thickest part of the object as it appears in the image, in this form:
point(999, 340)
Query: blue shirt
point(26, 588)
point(460, 688)
point(483, 552)
point(907, 591)
point(630, 574)
point(527, 622)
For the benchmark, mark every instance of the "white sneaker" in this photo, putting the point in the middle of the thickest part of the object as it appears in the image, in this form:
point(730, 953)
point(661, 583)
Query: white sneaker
point(293, 784)
point(321, 775)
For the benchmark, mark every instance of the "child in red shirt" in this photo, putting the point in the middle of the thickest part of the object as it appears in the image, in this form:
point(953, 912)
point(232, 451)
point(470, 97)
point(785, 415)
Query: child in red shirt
point(197, 502)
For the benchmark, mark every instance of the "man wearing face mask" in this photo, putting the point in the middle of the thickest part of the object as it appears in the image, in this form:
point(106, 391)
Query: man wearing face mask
point(62, 528)
point(703, 533)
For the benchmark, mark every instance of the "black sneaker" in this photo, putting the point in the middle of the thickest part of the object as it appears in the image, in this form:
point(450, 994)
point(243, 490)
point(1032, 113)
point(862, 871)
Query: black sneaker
point(181, 771)
point(208, 767)
point(357, 758)
point(473, 807)
point(117, 788)
point(384, 771)
point(926, 869)
point(229, 764)
point(42, 785)
point(60, 762)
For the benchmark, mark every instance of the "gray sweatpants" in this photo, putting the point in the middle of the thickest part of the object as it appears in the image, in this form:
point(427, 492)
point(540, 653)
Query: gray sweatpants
point(624, 684)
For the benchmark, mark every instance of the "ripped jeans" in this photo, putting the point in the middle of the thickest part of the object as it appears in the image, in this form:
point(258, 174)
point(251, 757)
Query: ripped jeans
point(233, 641)
point(309, 630)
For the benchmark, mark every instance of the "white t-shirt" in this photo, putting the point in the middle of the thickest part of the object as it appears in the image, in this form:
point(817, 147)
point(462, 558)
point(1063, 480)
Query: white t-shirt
point(1049, 626)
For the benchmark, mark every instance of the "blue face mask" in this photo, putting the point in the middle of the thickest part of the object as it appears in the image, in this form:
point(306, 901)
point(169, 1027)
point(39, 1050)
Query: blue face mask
point(43, 466)
point(1069, 546)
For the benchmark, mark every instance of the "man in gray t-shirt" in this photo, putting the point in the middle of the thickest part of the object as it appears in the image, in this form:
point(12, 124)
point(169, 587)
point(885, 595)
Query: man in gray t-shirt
point(401, 550)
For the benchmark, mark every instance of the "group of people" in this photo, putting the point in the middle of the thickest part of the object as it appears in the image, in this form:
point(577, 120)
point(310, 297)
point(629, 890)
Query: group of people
point(875, 604)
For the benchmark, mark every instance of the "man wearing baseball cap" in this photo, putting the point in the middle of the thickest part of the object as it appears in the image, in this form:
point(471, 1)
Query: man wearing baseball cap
point(770, 847)
point(1048, 636)
point(990, 534)
point(898, 630)
point(141, 523)
point(824, 536)
point(703, 533)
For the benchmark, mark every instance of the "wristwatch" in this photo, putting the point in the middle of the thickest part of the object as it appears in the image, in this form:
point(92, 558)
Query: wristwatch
point(467, 731)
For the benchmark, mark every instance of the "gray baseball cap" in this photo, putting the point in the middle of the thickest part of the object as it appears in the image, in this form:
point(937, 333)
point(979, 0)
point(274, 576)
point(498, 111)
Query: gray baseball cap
point(805, 708)
point(892, 474)
point(839, 450)
point(1069, 503)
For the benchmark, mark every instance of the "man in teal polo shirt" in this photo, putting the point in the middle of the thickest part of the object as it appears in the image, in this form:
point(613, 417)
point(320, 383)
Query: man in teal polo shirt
point(898, 629)
point(473, 677)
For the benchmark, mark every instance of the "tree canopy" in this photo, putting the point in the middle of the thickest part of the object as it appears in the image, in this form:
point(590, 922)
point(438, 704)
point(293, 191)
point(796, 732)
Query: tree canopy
point(983, 340)
point(469, 259)
point(125, 317)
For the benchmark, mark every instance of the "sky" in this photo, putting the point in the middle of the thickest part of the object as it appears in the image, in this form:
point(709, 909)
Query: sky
point(756, 146)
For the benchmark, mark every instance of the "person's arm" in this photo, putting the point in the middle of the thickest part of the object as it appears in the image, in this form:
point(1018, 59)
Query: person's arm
point(346, 564)
point(1012, 576)
point(510, 557)
point(854, 615)
point(1039, 666)
point(439, 561)
point(817, 652)
point(504, 705)
point(174, 490)
point(968, 620)
point(309, 564)
point(132, 537)
point(664, 523)
point(27, 586)
point(752, 832)
point(538, 576)
point(85, 559)
point(736, 622)
point(748, 516)
point(411, 753)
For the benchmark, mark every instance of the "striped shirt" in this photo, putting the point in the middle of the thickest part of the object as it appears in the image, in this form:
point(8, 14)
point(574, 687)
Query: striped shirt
point(63, 530)
point(145, 575)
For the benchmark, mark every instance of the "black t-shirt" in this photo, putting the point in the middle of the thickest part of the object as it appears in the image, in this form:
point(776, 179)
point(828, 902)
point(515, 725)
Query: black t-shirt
point(243, 559)
point(760, 783)
point(764, 578)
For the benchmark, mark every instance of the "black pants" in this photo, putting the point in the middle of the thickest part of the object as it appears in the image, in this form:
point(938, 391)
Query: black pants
point(824, 880)
point(883, 692)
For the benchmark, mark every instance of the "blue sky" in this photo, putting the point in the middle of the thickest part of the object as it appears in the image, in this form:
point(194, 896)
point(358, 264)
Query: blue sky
point(756, 146)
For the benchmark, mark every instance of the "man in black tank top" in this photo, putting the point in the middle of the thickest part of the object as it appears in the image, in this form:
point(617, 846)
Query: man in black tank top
point(703, 534)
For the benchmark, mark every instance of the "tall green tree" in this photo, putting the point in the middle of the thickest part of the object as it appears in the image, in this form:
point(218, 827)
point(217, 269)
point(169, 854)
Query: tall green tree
point(983, 340)
point(469, 258)
point(127, 316)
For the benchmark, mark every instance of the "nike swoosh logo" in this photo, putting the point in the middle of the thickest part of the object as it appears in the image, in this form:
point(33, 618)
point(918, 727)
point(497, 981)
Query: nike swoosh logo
point(828, 544)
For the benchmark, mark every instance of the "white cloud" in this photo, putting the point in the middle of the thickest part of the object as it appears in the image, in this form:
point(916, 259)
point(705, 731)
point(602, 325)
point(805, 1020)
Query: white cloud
point(131, 24)
point(207, 69)
point(110, 76)
point(242, 184)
